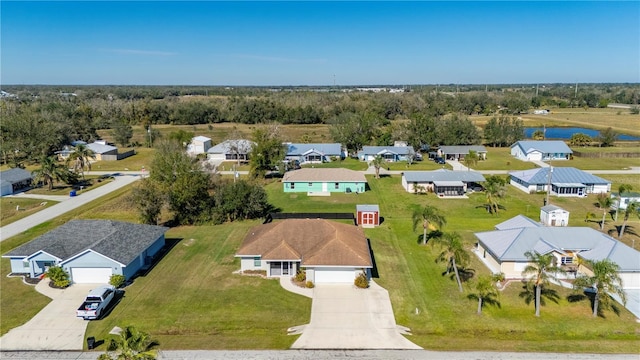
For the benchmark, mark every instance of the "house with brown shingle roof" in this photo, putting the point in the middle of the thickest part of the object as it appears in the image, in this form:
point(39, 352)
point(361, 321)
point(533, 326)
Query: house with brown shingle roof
point(329, 251)
point(323, 181)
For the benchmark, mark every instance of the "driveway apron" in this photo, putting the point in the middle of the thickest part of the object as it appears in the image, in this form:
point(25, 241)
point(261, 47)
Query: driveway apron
point(345, 317)
point(55, 327)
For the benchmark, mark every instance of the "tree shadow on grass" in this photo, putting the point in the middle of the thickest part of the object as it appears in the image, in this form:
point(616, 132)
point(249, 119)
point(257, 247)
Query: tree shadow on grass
point(528, 293)
point(615, 232)
point(430, 235)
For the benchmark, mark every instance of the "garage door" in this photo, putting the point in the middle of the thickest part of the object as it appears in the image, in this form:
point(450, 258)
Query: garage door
point(330, 275)
point(91, 275)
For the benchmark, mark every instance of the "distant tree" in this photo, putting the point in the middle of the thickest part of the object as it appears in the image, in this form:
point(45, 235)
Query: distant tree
point(419, 131)
point(604, 202)
point(538, 135)
point(457, 130)
point(634, 110)
point(181, 137)
point(607, 137)
point(50, 171)
point(377, 163)
point(453, 254)
point(503, 131)
point(149, 199)
point(539, 272)
point(633, 208)
point(268, 152)
point(239, 200)
point(356, 130)
point(605, 281)
point(122, 132)
point(426, 216)
point(80, 158)
point(580, 139)
point(622, 189)
point(485, 292)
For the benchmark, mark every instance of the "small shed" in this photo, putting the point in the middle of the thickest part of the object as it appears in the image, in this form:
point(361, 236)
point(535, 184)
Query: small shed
point(368, 216)
point(551, 215)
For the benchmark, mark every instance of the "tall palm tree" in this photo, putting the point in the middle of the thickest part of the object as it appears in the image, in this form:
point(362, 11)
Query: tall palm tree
point(131, 344)
point(485, 292)
point(453, 254)
point(623, 188)
point(632, 208)
point(377, 163)
point(542, 270)
point(605, 280)
point(80, 158)
point(494, 189)
point(604, 203)
point(51, 171)
point(427, 215)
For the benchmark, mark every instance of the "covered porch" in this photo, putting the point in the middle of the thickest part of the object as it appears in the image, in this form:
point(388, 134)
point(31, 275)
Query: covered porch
point(282, 268)
point(568, 189)
point(449, 188)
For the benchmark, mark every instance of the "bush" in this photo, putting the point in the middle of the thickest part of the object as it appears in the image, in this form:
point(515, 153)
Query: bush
point(361, 281)
point(117, 280)
point(309, 284)
point(59, 277)
point(301, 276)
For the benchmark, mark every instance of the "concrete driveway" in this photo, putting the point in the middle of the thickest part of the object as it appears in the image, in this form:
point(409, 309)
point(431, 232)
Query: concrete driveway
point(55, 327)
point(345, 317)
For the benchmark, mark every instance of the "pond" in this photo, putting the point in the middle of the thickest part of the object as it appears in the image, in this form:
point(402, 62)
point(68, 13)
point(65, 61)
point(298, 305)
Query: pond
point(565, 133)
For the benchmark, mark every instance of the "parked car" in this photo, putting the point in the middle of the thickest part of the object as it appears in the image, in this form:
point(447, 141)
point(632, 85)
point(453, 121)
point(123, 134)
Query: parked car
point(439, 160)
point(95, 303)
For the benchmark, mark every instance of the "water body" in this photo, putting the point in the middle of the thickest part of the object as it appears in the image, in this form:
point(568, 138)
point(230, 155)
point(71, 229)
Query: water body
point(566, 133)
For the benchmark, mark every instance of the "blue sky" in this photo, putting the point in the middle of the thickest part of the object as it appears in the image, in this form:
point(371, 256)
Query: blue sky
point(313, 43)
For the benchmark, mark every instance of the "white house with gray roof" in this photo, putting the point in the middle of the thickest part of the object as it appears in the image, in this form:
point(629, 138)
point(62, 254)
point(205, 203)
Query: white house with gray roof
point(90, 250)
point(313, 153)
point(198, 145)
point(13, 180)
point(443, 182)
point(388, 153)
point(543, 150)
point(231, 150)
point(458, 152)
point(625, 199)
point(551, 215)
point(565, 181)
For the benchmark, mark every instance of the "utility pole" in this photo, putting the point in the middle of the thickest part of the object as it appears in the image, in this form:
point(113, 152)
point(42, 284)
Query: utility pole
point(537, 90)
point(149, 132)
point(546, 202)
point(576, 94)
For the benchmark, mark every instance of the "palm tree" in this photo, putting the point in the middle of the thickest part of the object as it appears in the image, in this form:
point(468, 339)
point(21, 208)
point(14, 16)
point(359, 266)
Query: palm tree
point(494, 189)
point(81, 158)
point(51, 171)
point(426, 216)
point(131, 344)
point(604, 203)
point(485, 292)
point(632, 208)
point(471, 159)
point(623, 188)
point(543, 270)
point(377, 163)
point(605, 280)
point(453, 254)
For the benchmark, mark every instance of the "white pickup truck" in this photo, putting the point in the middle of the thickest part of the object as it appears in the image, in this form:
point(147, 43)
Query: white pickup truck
point(95, 303)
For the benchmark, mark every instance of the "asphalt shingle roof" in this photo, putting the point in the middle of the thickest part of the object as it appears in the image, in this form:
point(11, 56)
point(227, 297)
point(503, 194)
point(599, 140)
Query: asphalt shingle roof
point(560, 175)
point(462, 149)
point(117, 240)
point(443, 175)
point(328, 149)
point(544, 146)
point(14, 175)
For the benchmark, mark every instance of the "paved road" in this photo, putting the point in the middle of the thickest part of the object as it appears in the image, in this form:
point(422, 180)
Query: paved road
point(324, 355)
point(64, 206)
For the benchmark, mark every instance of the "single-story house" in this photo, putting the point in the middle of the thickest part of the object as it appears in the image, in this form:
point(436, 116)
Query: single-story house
point(101, 149)
point(626, 198)
point(90, 250)
point(517, 222)
point(551, 215)
point(199, 145)
point(443, 182)
point(542, 150)
point(231, 150)
point(313, 153)
point(329, 252)
point(503, 250)
point(458, 152)
point(368, 216)
point(388, 153)
point(323, 181)
point(13, 180)
point(565, 181)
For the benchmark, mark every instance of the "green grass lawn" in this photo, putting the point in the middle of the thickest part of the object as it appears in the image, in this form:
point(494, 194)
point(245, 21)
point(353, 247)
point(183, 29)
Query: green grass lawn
point(500, 159)
point(91, 182)
point(9, 211)
point(143, 157)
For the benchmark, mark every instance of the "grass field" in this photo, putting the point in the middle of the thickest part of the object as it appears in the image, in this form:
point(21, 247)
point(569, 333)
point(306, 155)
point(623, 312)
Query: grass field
point(13, 209)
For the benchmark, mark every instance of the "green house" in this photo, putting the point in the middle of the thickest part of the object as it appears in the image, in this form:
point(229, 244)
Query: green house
point(324, 181)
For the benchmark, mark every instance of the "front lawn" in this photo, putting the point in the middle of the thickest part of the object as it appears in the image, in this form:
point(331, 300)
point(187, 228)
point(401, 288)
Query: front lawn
point(14, 208)
point(91, 182)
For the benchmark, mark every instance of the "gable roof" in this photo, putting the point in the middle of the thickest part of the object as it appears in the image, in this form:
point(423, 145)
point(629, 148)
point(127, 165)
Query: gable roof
point(560, 175)
point(443, 175)
point(543, 146)
point(329, 149)
point(15, 175)
point(462, 149)
point(323, 175)
point(117, 240)
point(517, 222)
point(227, 146)
point(201, 138)
point(590, 244)
point(377, 150)
point(550, 208)
point(316, 242)
point(99, 148)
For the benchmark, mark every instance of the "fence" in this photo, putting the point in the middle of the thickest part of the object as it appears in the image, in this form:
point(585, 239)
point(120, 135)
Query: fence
point(331, 216)
point(606, 154)
point(119, 156)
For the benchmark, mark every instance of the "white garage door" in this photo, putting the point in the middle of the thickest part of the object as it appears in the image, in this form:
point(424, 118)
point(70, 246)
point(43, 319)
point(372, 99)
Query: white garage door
point(91, 275)
point(333, 275)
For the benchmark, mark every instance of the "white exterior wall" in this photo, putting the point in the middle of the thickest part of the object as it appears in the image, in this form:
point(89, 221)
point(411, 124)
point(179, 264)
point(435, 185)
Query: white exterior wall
point(561, 217)
point(528, 190)
point(630, 280)
point(534, 155)
point(216, 156)
point(246, 263)
point(600, 189)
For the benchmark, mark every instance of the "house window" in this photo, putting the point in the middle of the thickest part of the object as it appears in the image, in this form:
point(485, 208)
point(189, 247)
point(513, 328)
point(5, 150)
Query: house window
point(292, 185)
point(25, 263)
point(337, 185)
point(566, 260)
point(257, 262)
point(310, 184)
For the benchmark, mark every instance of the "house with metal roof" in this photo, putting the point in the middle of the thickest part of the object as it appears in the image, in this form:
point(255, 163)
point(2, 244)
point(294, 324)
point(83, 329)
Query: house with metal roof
point(517, 222)
point(13, 180)
point(313, 153)
point(562, 181)
point(458, 152)
point(328, 251)
point(90, 250)
point(231, 150)
point(198, 145)
point(443, 182)
point(551, 215)
point(324, 181)
point(543, 150)
point(388, 153)
point(625, 199)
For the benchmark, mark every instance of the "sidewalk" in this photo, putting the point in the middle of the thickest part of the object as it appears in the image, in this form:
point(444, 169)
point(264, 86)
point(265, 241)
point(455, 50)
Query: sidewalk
point(286, 283)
